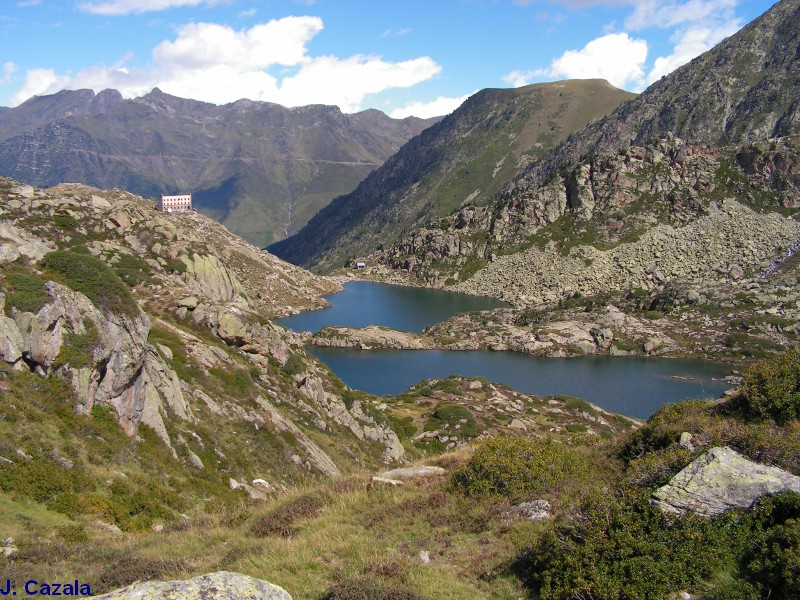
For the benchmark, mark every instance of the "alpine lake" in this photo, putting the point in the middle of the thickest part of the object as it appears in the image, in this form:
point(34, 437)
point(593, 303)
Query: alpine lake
point(632, 386)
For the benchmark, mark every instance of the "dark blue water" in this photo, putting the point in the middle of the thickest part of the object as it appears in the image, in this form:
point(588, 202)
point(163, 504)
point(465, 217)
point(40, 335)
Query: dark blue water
point(633, 386)
point(365, 303)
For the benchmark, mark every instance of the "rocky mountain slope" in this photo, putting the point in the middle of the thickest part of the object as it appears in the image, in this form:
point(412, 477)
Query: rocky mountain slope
point(160, 323)
point(162, 319)
point(465, 159)
point(745, 88)
point(261, 169)
point(628, 215)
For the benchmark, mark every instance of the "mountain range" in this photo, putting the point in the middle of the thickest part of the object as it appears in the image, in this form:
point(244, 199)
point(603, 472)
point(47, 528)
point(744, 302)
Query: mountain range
point(259, 168)
point(743, 89)
point(155, 424)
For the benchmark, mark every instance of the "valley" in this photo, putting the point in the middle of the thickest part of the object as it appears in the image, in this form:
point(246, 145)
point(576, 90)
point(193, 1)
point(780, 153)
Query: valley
point(546, 346)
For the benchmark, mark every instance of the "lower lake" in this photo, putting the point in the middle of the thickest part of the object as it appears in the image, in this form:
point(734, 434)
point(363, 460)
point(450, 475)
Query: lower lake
point(632, 386)
point(636, 387)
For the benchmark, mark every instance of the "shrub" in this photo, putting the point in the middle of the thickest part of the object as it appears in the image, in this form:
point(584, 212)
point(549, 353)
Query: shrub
point(403, 426)
point(615, 551)
point(449, 416)
point(773, 561)
point(78, 348)
point(295, 365)
point(26, 292)
point(94, 279)
point(176, 265)
point(771, 388)
point(129, 569)
point(282, 521)
point(516, 468)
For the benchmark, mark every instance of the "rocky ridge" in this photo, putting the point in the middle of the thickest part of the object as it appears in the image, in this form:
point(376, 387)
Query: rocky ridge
point(670, 210)
point(201, 301)
point(464, 159)
point(260, 168)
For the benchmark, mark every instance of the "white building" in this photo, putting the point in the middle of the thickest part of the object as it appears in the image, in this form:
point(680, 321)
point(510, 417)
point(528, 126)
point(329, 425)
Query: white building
point(179, 203)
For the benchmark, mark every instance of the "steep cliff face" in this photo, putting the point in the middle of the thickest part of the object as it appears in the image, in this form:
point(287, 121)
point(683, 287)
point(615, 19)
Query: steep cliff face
point(614, 220)
point(743, 89)
point(261, 169)
point(163, 319)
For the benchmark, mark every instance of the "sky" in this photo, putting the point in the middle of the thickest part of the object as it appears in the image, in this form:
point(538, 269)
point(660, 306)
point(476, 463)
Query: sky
point(415, 57)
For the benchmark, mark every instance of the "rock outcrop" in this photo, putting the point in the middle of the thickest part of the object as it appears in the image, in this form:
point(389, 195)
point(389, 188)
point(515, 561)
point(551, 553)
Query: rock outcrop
point(721, 479)
point(194, 344)
point(222, 585)
point(372, 336)
point(664, 212)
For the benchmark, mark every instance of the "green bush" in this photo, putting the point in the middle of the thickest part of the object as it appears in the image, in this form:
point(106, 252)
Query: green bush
point(773, 560)
point(612, 550)
point(518, 468)
point(771, 388)
point(78, 348)
point(94, 279)
point(403, 426)
point(176, 266)
point(295, 365)
point(449, 416)
point(25, 292)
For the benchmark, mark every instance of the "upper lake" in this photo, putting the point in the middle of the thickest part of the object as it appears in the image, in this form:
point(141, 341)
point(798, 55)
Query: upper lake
point(633, 386)
point(401, 307)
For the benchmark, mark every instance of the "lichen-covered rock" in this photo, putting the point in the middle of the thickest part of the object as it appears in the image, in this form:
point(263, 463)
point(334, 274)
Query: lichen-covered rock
point(421, 472)
point(721, 479)
point(210, 278)
point(222, 585)
point(11, 342)
point(16, 242)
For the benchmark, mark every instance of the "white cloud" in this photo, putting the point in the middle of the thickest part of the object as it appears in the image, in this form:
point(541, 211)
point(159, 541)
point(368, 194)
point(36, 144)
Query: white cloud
point(615, 57)
point(345, 82)
point(37, 82)
point(520, 78)
point(126, 7)
point(397, 32)
point(218, 64)
point(424, 110)
point(8, 70)
point(690, 43)
point(667, 14)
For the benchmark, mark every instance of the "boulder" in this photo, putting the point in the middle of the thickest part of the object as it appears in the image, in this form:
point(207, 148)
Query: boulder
point(406, 473)
point(11, 342)
point(210, 278)
point(24, 190)
point(537, 510)
point(222, 585)
point(17, 242)
point(721, 479)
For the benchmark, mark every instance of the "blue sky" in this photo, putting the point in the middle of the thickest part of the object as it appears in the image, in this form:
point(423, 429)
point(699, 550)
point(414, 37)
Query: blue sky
point(421, 57)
